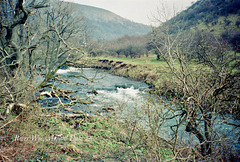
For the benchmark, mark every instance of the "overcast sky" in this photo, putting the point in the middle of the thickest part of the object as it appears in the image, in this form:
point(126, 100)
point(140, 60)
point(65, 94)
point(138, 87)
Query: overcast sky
point(141, 11)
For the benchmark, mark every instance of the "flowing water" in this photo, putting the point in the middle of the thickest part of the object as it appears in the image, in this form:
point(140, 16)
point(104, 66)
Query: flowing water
point(110, 90)
point(131, 99)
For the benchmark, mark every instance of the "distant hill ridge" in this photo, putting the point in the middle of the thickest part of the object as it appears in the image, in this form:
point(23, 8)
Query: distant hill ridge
point(107, 25)
point(95, 13)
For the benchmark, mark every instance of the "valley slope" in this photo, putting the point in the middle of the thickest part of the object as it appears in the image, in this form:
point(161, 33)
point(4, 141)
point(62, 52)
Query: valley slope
point(105, 25)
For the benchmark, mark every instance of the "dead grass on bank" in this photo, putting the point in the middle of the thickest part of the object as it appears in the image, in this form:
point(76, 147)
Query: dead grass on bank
point(36, 134)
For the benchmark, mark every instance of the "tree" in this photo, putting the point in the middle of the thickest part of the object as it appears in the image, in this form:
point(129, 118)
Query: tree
point(234, 41)
point(14, 14)
point(36, 39)
point(132, 46)
point(202, 94)
point(59, 36)
point(151, 47)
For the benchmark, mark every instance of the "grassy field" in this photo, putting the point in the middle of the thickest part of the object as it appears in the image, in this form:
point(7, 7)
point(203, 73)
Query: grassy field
point(149, 61)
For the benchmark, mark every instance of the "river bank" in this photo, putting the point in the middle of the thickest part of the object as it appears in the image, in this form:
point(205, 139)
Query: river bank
point(84, 137)
point(45, 136)
point(157, 77)
point(148, 73)
point(74, 135)
point(155, 73)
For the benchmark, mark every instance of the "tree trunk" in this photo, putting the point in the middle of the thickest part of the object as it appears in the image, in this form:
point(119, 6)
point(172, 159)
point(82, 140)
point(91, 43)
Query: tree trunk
point(205, 144)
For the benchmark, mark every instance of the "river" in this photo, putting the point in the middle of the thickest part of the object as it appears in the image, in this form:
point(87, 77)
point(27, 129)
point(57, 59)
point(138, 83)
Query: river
point(131, 100)
point(112, 91)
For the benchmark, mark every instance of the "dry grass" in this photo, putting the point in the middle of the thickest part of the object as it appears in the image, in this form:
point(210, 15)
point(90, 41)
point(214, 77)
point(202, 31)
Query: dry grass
point(44, 135)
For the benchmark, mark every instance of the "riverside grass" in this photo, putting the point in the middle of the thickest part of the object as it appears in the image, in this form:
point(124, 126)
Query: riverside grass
point(38, 134)
point(155, 73)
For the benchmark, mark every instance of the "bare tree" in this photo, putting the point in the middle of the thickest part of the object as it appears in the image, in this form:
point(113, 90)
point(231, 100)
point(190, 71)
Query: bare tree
point(200, 84)
point(14, 14)
point(203, 92)
point(60, 34)
point(37, 38)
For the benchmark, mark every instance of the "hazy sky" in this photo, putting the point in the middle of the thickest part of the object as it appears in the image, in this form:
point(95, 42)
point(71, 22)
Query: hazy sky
point(141, 11)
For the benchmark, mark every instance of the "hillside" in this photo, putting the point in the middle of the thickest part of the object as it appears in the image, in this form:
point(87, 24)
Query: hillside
point(218, 16)
point(107, 25)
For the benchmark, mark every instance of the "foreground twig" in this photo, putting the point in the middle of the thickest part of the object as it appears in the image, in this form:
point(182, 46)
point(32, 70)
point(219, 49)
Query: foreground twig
point(11, 121)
